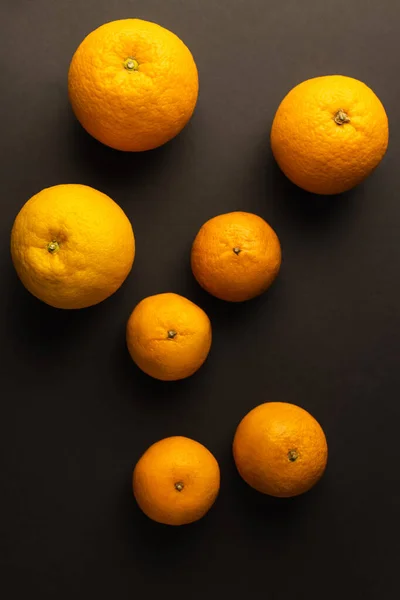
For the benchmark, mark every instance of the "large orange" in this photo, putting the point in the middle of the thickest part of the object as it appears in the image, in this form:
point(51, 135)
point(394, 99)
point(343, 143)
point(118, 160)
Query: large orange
point(280, 449)
point(329, 134)
point(133, 85)
point(168, 336)
point(176, 481)
point(72, 246)
point(236, 256)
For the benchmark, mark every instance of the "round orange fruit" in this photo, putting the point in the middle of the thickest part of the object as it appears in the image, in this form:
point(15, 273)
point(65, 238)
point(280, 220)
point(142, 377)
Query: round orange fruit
point(236, 256)
point(176, 481)
point(133, 85)
point(329, 134)
point(168, 336)
point(72, 246)
point(280, 449)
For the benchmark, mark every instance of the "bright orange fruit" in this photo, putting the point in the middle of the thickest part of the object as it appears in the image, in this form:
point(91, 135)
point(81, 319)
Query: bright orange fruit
point(329, 133)
point(133, 85)
point(236, 256)
point(280, 449)
point(168, 336)
point(176, 481)
point(72, 246)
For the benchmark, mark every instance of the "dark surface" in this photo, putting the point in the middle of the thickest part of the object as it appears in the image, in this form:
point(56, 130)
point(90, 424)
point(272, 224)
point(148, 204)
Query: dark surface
point(76, 414)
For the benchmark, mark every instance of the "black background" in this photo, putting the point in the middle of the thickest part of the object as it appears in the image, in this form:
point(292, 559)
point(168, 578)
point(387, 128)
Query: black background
point(76, 413)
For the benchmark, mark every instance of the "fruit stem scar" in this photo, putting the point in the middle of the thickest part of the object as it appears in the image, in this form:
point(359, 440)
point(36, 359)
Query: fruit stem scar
point(293, 455)
point(53, 247)
point(341, 117)
point(179, 486)
point(171, 334)
point(236, 250)
point(131, 64)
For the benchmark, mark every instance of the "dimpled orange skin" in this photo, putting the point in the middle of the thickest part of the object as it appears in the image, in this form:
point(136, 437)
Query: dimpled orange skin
point(280, 449)
point(137, 105)
point(168, 336)
point(322, 155)
point(236, 256)
point(72, 246)
point(176, 481)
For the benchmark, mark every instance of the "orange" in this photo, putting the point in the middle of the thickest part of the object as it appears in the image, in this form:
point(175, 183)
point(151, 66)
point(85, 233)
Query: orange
point(280, 449)
point(72, 246)
point(133, 85)
point(329, 134)
point(176, 481)
point(168, 336)
point(236, 256)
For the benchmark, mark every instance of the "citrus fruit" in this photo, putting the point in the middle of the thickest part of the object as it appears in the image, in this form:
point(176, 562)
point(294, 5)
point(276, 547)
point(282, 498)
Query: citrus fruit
point(176, 481)
point(132, 84)
point(280, 449)
point(168, 336)
point(236, 256)
point(329, 134)
point(72, 246)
